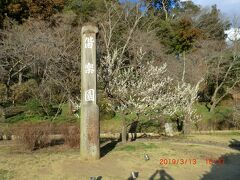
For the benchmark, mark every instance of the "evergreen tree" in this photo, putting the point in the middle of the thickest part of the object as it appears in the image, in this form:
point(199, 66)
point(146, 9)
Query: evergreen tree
point(213, 25)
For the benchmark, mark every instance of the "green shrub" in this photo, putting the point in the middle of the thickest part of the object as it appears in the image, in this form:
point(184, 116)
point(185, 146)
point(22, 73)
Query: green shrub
point(151, 126)
point(217, 120)
point(33, 106)
point(65, 115)
point(21, 93)
point(26, 118)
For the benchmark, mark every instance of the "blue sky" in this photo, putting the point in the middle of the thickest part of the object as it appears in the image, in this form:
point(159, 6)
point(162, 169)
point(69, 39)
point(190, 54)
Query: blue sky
point(228, 7)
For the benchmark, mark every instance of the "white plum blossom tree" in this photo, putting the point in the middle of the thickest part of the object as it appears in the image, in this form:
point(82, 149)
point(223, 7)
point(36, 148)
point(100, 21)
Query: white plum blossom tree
point(182, 100)
point(138, 84)
point(143, 86)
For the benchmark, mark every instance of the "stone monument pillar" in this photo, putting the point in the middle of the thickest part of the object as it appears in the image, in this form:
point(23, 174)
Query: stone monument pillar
point(89, 130)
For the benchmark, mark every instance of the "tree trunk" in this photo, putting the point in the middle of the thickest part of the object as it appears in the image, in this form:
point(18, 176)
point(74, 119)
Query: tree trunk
point(20, 78)
point(184, 67)
point(165, 10)
point(214, 100)
point(70, 107)
point(124, 131)
point(213, 105)
point(7, 91)
point(187, 125)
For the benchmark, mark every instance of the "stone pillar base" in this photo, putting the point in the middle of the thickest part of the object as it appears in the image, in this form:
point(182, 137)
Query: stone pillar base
point(89, 132)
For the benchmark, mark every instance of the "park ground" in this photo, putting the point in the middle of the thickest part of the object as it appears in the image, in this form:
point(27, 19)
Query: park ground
point(187, 155)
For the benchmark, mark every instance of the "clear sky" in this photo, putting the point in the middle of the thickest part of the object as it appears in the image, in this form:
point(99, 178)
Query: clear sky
point(230, 8)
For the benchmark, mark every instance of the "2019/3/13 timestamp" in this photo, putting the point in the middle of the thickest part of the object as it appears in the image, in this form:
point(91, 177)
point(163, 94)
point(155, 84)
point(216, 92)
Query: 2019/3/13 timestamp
point(178, 161)
point(208, 161)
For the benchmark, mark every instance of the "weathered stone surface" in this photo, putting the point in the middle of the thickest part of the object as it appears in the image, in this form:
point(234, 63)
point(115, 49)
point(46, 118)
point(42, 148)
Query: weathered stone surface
point(168, 129)
point(89, 133)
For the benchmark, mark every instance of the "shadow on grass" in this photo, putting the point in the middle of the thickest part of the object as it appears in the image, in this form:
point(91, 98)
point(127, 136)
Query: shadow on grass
point(108, 147)
point(235, 144)
point(230, 169)
point(96, 178)
point(161, 175)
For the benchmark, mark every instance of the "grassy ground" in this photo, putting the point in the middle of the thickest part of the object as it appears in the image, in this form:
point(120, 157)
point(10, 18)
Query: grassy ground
point(188, 153)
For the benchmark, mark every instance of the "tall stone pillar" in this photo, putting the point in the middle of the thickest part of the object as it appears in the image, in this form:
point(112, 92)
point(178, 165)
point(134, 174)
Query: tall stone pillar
point(89, 130)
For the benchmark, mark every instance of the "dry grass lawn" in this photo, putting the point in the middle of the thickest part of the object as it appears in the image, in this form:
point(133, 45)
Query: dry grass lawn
point(62, 163)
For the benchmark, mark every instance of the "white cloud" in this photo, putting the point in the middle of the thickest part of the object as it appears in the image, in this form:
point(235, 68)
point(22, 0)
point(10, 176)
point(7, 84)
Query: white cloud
point(233, 34)
point(229, 7)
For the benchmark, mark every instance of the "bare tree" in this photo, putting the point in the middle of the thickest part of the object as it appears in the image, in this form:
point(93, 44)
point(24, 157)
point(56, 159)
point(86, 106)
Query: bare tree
point(223, 70)
point(48, 54)
point(14, 55)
